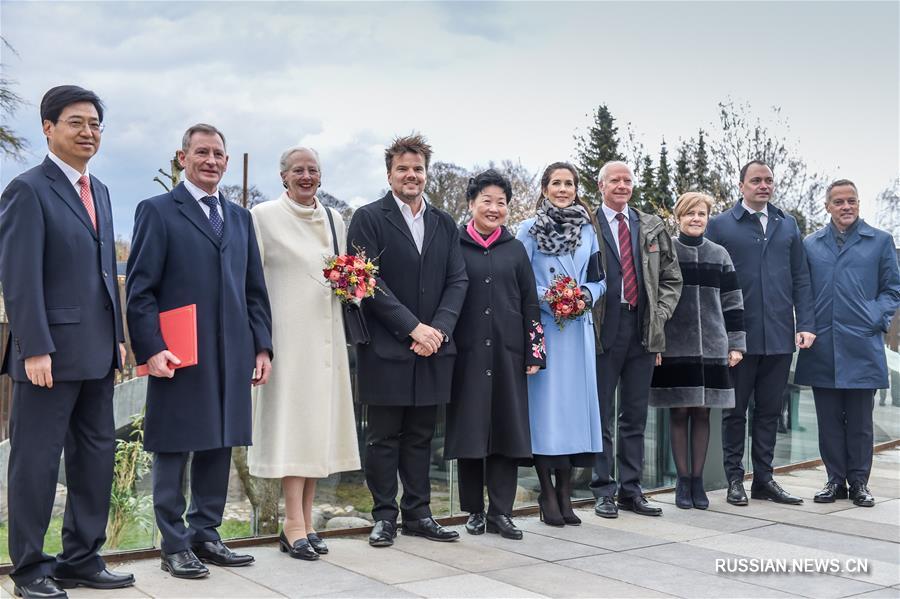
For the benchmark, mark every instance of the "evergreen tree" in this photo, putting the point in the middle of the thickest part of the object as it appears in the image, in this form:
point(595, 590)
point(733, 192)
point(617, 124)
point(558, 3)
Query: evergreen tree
point(702, 180)
point(644, 196)
point(596, 147)
point(664, 198)
point(683, 176)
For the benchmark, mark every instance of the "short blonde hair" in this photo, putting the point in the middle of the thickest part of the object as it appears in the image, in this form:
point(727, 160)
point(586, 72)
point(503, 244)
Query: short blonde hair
point(689, 200)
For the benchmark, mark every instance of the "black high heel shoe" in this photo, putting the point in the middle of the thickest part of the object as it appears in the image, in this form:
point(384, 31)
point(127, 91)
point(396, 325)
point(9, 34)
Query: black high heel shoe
point(549, 520)
point(301, 549)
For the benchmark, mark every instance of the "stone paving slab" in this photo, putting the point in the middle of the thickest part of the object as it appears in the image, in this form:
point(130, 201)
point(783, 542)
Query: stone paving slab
point(385, 564)
point(536, 545)
point(850, 546)
point(556, 580)
point(850, 522)
point(667, 578)
point(465, 554)
point(883, 512)
point(299, 578)
point(466, 585)
point(592, 532)
point(881, 573)
point(700, 559)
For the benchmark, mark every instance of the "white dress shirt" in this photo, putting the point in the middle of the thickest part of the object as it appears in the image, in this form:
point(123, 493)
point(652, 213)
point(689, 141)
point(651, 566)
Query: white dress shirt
point(415, 222)
point(71, 173)
point(610, 215)
point(198, 194)
point(763, 214)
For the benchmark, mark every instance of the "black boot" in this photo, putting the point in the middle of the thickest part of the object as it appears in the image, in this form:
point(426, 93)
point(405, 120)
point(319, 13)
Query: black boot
point(701, 501)
point(547, 502)
point(683, 493)
point(564, 497)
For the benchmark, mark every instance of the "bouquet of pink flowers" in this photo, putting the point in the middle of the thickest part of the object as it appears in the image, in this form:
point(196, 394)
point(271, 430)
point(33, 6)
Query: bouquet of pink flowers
point(352, 278)
point(567, 301)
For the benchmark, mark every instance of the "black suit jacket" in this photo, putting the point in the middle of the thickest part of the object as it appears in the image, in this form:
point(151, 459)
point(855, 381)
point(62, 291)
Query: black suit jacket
point(59, 277)
point(429, 288)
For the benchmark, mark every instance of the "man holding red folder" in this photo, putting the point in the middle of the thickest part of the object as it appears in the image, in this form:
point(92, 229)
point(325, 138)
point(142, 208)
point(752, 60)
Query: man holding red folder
point(190, 247)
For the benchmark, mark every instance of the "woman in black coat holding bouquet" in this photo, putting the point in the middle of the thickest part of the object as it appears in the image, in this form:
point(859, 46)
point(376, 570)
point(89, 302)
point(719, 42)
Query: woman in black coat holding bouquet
point(500, 342)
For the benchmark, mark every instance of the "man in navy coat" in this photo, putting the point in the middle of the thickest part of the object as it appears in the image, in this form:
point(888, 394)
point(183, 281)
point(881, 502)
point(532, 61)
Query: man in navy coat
point(768, 255)
point(58, 268)
point(190, 247)
point(856, 286)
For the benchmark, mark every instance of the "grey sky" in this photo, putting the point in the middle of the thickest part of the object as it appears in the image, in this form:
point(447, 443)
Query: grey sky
point(484, 81)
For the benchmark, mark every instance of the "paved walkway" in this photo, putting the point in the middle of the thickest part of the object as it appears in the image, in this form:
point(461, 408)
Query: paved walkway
point(633, 556)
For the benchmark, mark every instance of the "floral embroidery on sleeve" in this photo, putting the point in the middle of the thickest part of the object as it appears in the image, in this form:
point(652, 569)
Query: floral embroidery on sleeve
point(536, 336)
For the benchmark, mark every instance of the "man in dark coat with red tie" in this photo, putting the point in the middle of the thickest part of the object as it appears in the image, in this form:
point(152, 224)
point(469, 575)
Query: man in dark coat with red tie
point(57, 268)
point(190, 247)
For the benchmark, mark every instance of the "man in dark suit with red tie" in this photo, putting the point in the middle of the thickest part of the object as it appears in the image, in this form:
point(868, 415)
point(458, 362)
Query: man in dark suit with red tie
point(190, 247)
point(57, 268)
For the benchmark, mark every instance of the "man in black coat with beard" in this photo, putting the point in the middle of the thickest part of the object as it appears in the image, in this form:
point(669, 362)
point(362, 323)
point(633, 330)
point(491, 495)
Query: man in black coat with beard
point(406, 370)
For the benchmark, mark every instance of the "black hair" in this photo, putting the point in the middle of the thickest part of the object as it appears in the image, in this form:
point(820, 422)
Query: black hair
point(487, 178)
point(57, 98)
point(751, 163)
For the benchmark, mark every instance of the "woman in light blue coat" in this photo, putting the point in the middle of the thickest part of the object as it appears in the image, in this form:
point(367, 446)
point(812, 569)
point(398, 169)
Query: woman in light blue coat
point(562, 399)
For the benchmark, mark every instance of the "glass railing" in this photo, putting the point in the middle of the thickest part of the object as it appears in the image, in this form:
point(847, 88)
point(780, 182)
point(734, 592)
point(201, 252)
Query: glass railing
point(343, 501)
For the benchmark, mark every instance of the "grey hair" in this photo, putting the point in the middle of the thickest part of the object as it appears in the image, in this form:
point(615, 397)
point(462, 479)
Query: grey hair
point(611, 163)
point(199, 128)
point(284, 162)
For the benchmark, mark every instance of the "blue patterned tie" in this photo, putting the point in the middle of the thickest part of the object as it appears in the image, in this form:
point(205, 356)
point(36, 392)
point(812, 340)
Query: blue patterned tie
point(215, 220)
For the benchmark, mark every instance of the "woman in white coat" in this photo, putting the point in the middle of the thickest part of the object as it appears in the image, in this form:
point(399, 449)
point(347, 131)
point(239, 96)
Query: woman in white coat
point(303, 421)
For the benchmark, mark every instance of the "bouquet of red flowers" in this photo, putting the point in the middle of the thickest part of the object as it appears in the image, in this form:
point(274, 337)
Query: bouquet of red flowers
point(567, 301)
point(352, 278)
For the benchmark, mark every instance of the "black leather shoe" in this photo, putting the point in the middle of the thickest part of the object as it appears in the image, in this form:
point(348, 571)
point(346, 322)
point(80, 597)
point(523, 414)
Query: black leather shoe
point(218, 554)
point(301, 549)
point(606, 508)
point(41, 588)
point(639, 505)
point(772, 491)
point(476, 524)
point(830, 492)
point(383, 534)
point(317, 543)
point(104, 579)
point(183, 564)
point(698, 493)
point(736, 493)
point(503, 524)
point(860, 495)
point(683, 493)
point(428, 528)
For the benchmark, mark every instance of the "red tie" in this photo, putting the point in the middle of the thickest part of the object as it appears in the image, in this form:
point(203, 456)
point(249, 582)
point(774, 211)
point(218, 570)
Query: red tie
point(629, 277)
point(87, 199)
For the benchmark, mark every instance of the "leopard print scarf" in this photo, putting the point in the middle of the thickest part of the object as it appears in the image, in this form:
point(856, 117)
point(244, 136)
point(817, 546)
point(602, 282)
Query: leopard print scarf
point(558, 230)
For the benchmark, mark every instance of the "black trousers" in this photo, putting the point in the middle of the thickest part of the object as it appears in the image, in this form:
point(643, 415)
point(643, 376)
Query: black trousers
point(77, 416)
point(209, 490)
point(628, 366)
point(500, 473)
point(845, 432)
point(398, 441)
point(764, 378)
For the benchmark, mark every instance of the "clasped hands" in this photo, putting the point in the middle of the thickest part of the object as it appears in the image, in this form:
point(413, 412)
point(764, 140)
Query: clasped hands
point(426, 340)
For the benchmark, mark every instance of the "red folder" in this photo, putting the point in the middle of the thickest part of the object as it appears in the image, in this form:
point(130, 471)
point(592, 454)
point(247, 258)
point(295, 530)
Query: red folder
point(179, 331)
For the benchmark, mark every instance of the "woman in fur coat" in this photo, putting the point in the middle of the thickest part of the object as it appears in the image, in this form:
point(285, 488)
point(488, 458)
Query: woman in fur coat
point(704, 338)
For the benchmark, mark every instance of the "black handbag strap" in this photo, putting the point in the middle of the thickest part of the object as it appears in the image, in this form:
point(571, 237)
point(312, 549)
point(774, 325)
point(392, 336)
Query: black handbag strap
point(337, 251)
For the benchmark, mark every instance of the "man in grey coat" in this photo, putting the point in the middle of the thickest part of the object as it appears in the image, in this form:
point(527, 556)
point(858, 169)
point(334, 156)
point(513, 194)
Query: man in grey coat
point(768, 255)
point(856, 285)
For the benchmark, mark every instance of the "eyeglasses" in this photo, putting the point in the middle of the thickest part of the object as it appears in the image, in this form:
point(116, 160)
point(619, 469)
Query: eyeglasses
point(78, 125)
